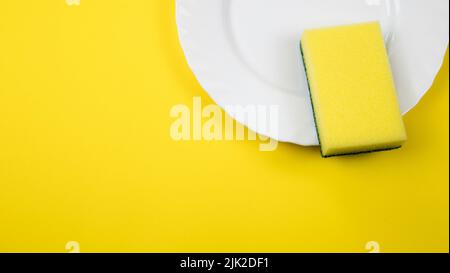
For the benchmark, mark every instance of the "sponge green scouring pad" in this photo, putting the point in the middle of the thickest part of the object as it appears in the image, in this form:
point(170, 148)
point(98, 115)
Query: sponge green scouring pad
point(352, 90)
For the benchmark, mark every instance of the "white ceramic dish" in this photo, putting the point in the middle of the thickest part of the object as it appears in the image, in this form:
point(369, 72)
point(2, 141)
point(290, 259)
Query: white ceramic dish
point(246, 52)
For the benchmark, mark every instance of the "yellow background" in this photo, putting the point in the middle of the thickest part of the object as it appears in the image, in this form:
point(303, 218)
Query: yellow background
point(86, 155)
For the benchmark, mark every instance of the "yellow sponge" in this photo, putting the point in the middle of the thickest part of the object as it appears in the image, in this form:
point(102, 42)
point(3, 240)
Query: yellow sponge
point(352, 90)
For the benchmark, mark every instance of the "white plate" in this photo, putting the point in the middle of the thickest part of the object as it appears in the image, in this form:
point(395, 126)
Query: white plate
point(246, 52)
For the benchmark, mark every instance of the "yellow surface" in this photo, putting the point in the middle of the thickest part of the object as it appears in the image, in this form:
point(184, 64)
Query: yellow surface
point(86, 155)
point(352, 89)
